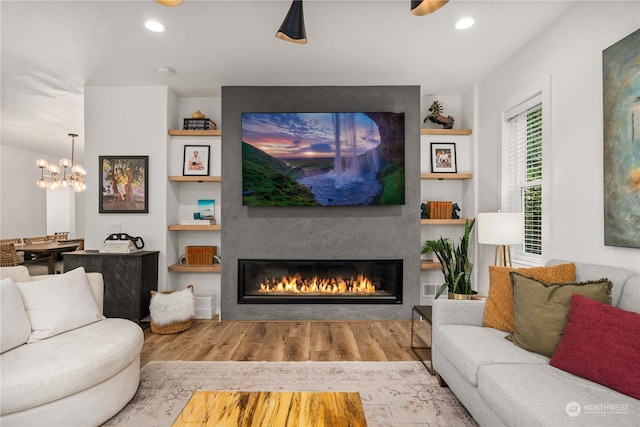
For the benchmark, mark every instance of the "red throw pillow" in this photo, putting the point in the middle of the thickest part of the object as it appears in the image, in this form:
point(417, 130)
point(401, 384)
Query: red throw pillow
point(601, 343)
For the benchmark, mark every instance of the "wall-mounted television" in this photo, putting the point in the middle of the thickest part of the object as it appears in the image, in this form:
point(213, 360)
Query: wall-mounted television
point(323, 159)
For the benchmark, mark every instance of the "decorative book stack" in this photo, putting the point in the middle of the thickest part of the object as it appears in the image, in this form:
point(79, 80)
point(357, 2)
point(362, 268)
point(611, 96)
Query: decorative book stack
point(199, 124)
point(200, 254)
point(197, 221)
point(118, 247)
point(439, 210)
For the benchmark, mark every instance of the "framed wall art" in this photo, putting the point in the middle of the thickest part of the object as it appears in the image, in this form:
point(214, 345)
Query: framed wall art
point(443, 157)
point(196, 160)
point(621, 108)
point(124, 184)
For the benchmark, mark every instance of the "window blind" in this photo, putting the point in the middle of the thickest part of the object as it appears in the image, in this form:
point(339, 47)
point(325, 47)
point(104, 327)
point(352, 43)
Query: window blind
point(524, 174)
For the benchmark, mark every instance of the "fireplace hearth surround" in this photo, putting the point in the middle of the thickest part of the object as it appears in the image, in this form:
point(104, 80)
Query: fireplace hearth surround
point(318, 232)
point(274, 281)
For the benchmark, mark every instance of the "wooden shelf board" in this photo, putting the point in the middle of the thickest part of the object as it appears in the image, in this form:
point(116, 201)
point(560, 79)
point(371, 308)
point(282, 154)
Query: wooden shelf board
point(194, 227)
point(180, 132)
point(194, 268)
point(442, 176)
point(461, 221)
point(429, 265)
point(445, 131)
point(179, 178)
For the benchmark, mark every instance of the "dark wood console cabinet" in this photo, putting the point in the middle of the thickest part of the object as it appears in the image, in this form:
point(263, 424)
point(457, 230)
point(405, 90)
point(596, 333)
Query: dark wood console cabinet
point(128, 279)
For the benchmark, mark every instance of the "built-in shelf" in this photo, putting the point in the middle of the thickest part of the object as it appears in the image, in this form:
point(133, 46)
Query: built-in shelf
point(194, 227)
point(442, 176)
point(179, 178)
point(443, 221)
point(429, 265)
point(445, 131)
point(194, 268)
point(180, 132)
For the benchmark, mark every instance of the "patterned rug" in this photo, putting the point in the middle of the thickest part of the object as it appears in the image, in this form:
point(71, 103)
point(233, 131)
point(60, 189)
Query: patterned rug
point(398, 394)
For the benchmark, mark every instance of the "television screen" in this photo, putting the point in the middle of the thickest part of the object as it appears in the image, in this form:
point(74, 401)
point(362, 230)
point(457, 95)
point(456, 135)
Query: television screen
point(323, 159)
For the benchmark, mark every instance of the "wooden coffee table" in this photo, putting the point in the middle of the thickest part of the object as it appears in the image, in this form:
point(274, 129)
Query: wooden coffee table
point(268, 408)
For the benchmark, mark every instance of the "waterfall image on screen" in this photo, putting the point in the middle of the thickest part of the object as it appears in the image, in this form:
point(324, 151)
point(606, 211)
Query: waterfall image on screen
point(323, 159)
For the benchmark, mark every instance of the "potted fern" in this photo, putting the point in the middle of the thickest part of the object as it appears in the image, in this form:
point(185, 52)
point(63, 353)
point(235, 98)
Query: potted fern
point(454, 264)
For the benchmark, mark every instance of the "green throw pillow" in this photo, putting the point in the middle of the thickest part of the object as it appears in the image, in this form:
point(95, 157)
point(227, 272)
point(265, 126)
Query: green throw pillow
point(541, 310)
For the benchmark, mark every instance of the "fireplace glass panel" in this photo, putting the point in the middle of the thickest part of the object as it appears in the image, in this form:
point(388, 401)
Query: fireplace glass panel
point(319, 281)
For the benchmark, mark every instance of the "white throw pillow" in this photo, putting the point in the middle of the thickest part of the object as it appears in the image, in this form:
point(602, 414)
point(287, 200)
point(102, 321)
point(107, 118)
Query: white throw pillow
point(59, 304)
point(14, 323)
point(172, 307)
point(19, 273)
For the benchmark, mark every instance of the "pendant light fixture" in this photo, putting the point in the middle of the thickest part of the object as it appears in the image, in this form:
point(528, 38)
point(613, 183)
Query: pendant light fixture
point(73, 178)
point(425, 7)
point(292, 28)
point(170, 3)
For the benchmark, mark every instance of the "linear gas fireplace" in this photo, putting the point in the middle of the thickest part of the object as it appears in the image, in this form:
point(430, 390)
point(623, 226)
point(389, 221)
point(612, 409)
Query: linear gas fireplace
point(275, 281)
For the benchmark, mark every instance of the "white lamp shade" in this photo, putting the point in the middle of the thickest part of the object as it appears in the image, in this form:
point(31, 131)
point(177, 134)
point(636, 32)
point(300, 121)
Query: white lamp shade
point(501, 228)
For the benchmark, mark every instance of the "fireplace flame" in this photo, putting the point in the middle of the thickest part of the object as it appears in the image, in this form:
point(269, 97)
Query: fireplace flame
point(334, 286)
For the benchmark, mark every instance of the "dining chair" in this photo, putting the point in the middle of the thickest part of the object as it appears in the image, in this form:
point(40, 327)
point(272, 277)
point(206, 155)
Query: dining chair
point(60, 235)
point(9, 258)
point(15, 241)
point(58, 266)
point(39, 239)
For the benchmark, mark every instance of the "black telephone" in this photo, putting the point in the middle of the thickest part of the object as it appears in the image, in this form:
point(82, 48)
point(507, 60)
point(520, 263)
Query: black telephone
point(124, 236)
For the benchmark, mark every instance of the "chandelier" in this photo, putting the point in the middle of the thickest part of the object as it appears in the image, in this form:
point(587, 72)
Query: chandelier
point(69, 176)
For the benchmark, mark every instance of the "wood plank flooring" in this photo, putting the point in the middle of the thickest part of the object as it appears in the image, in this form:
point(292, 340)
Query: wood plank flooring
point(273, 341)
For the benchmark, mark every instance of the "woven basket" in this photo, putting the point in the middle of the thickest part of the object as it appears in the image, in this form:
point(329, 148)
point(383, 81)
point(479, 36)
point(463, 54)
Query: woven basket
point(174, 327)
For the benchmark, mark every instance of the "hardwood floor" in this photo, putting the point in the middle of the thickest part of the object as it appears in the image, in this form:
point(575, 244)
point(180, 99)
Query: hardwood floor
point(210, 340)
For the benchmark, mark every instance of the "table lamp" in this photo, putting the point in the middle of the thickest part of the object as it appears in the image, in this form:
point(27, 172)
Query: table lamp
point(501, 229)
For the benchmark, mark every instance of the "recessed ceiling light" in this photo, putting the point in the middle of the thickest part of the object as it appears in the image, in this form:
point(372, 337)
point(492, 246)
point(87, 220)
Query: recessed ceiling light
point(154, 26)
point(464, 23)
point(166, 71)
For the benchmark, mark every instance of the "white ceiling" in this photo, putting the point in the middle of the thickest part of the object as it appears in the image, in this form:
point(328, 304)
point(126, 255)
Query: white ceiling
point(51, 50)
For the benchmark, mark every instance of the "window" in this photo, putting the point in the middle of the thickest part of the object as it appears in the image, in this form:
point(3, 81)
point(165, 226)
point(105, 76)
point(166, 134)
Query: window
point(523, 183)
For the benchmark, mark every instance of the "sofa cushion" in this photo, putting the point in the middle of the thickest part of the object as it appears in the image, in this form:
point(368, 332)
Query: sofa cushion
point(616, 275)
point(541, 395)
point(630, 299)
point(14, 323)
point(498, 311)
point(18, 273)
point(58, 304)
point(68, 363)
point(470, 347)
point(541, 310)
point(601, 343)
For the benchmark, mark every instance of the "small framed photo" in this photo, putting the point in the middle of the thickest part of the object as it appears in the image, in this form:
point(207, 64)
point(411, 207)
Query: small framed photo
point(443, 157)
point(196, 160)
point(124, 184)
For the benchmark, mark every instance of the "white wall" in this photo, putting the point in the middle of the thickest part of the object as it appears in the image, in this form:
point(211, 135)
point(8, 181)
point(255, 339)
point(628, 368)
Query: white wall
point(23, 208)
point(128, 121)
point(570, 54)
point(26, 210)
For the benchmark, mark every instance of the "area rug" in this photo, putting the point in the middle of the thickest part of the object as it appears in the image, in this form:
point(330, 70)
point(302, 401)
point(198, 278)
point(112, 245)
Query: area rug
point(398, 394)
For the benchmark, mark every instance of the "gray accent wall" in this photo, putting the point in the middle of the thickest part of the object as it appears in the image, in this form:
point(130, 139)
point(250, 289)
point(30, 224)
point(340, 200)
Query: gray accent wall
point(362, 232)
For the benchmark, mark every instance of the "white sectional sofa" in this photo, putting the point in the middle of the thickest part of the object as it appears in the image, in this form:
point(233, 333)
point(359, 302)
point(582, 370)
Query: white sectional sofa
point(62, 362)
point(502, 384)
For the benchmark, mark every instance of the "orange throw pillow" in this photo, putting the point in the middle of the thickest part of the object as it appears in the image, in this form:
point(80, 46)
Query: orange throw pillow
point(498, 311)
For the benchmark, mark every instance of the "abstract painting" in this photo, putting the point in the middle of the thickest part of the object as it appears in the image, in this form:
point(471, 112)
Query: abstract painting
point(621, 105)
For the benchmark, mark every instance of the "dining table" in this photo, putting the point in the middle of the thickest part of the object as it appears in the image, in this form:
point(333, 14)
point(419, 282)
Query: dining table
point(49, 250)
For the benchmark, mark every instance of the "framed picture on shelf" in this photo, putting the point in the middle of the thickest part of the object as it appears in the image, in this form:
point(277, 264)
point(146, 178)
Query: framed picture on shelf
point(443, 157)
point(207, 209)
point(196, 160)
point(124, 184)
